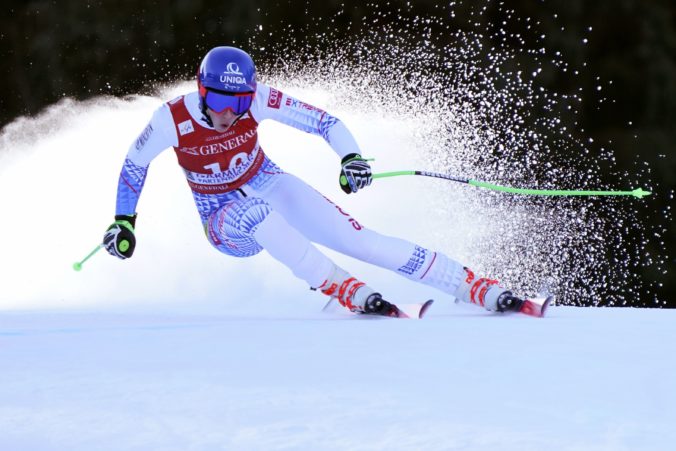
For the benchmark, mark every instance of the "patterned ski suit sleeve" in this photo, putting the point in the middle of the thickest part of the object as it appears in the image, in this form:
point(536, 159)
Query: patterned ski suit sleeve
point(271, 103)
point(157, 136)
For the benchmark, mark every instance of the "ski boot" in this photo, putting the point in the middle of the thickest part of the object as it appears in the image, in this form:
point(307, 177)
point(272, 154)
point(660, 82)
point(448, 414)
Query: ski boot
point(488, 294)
point(347, 290)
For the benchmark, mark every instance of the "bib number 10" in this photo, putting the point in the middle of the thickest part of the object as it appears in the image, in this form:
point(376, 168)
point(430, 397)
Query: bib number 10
point(237, 160)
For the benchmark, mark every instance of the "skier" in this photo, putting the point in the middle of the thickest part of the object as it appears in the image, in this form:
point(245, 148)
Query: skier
point(247, 203)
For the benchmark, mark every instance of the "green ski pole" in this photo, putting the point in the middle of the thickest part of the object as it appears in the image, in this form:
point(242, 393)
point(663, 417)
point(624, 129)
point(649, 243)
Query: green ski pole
point(78, 265)
point(638, 192)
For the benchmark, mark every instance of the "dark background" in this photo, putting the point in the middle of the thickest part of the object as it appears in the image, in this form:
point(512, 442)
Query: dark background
point(80, 49)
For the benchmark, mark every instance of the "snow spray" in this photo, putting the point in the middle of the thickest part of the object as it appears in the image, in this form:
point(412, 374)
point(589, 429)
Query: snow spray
point(475, 107)
point(463, 108)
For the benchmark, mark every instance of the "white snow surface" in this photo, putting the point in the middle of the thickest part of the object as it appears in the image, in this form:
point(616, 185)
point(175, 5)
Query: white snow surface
point(182, 348)
point(461, 379)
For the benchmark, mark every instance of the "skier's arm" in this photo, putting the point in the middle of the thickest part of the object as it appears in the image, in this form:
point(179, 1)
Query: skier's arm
point(273, 104)
point(158, 135)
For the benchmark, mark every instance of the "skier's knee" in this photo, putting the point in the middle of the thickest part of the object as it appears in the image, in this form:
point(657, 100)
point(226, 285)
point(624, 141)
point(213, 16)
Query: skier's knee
point(230, 229)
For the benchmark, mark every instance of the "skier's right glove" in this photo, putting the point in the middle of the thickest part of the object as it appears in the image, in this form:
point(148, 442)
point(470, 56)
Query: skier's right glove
point(119, 238)
point(355, 173)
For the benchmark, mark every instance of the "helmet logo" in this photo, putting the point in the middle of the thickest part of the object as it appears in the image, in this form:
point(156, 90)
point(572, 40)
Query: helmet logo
point(232, 69)
point(232, 74)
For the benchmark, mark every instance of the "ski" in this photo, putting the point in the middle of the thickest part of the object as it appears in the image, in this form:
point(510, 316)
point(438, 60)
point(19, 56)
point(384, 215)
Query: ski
point(536, 306)
point(405, 311)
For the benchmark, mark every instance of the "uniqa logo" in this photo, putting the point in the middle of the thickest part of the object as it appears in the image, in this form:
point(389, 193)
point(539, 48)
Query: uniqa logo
point(232, 74)
point(232, 69)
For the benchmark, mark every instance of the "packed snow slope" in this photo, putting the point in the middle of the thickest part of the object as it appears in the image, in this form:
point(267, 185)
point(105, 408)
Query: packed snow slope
point(182, 348)
point(462, 379)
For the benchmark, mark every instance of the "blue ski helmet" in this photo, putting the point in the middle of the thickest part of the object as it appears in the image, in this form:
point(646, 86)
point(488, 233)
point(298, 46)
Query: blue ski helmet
point(228, 76)
point(228, 70)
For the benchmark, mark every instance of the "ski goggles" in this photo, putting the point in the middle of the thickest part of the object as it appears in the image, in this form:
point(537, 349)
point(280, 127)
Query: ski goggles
point(219, 102)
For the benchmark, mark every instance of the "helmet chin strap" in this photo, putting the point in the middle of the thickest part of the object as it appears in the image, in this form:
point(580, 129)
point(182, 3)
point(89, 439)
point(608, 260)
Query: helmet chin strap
point(203, 109)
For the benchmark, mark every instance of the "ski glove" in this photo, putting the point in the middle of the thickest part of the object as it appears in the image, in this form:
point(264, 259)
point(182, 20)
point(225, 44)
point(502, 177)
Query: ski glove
point(355, 173)
point(119, 238)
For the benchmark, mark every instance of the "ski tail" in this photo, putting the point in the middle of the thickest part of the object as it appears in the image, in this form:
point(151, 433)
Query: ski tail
point(413, 311)
point(423, 309)
point(536, 306)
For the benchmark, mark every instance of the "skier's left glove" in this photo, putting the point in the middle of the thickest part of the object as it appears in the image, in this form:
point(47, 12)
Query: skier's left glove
point(355, 173)
point(119, 239)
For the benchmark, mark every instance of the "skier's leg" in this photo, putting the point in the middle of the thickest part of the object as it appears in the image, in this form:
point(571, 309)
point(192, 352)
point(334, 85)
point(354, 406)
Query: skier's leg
point(324, 222)
point(243, 227)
